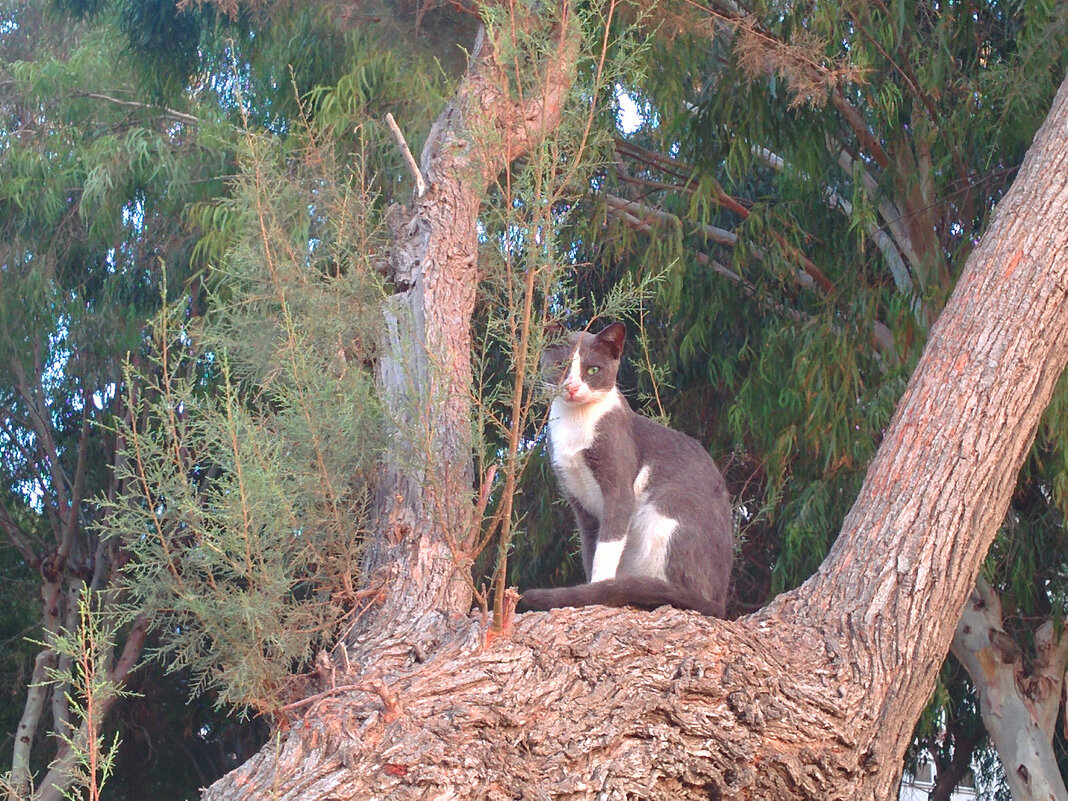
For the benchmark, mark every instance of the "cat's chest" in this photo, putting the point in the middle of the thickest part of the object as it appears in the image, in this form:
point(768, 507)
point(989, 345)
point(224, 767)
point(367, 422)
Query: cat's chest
point(571, 433)
point(578, 480)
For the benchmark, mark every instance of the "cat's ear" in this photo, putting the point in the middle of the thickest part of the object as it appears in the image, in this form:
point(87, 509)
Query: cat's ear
point(612, 338)
point(554, 332)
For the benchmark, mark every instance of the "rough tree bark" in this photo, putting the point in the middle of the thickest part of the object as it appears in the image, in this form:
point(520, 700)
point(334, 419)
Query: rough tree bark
point(424, 510)
point(814, 696)
point(1018, 702)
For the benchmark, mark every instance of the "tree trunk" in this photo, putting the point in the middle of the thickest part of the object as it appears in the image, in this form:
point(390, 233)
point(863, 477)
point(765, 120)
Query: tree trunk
point(816, 695)
point(424, 509)
point(1019, 703)
point(20, 777)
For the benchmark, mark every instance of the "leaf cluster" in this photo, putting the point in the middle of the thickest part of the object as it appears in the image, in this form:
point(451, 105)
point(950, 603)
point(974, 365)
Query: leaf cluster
point(253, 446)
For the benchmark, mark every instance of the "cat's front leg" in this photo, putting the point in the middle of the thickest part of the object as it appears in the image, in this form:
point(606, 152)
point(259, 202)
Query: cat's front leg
point(611, 536)
point(587, 525)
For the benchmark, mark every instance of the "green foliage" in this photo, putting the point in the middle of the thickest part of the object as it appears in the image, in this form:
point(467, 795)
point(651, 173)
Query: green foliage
point(527, 279)
point(157, 33)
point(119, 127)
point(251, 423)
point(799, 388)
point(374, 81)
point(161, 721)
point(788, 380)
point(247, 504)
point(91, 184)
point(84, 658)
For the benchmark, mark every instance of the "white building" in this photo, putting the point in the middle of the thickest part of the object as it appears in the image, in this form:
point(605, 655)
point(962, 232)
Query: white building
point(917, 788)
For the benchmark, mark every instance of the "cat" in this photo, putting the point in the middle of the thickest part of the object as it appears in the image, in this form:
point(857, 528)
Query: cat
point(651, 505)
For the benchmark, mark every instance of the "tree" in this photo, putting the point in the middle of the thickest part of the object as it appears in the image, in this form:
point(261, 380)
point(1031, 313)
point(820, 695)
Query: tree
point(815, 695)
point(1020, 705)
point(80, 231)
point(792, 375)
point(105, 151)
point(843, 228)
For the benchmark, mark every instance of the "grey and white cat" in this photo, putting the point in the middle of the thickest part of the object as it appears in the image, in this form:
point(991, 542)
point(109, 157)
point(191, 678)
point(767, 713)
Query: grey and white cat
point(651, 506)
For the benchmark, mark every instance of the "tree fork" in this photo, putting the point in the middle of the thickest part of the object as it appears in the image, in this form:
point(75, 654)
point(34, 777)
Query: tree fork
point(814, 696)
point(424, 502)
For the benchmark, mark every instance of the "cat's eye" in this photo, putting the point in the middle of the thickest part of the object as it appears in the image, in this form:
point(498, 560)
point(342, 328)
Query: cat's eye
point(592, 370)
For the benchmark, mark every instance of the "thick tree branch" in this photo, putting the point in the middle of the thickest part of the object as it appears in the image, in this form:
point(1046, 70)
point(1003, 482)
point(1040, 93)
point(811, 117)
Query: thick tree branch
point(78, 488)
point(18, 538)
point(718, 235)
point(637, 216)
point(680, 170)
point(662, 162)
point(952, 771)
point(810, 271)
point(939, 487)
point(885, 244)
point(891, 214)
point(860, 128)
point(638, 224)
point(34, 397)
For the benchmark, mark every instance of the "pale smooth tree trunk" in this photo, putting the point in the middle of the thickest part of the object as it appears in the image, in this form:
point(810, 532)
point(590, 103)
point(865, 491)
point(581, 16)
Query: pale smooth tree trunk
point(1018, 702)
point(20, 775)
point(813, 697)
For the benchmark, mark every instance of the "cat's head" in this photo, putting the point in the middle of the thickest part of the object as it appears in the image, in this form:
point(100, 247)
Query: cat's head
point(582, 367)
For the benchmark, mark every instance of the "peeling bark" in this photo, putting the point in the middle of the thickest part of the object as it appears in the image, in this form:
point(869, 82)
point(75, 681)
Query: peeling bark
point(813, 697)
point(1018, 703)
point(424, 501)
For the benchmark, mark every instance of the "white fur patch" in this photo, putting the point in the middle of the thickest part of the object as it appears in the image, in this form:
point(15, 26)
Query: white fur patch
point(572, 429)
point(580, 484)
point(573, 426)
point(606, 559)
point(651, 534)
point(575, 372)
point(640, 481)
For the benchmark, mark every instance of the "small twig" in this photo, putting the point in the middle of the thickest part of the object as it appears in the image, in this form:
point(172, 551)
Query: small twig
point(483, 500)
point(326, 693)
point(374, 686)
point(648, 360)
point(420, 182)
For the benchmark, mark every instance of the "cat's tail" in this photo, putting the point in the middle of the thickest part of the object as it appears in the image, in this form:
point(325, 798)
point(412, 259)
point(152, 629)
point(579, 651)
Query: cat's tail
point(642, 591)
